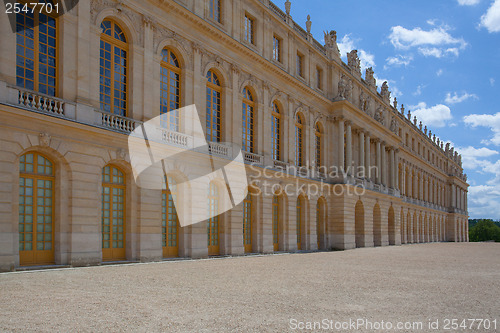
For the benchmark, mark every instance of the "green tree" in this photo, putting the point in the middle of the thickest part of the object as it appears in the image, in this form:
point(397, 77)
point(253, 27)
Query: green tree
point(484, 230)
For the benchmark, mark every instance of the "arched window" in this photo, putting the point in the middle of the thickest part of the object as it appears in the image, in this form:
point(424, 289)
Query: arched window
point(213, 221)
point(248, 121)
point(299, 223)
point(113, 69)
point(299, 140)
point(276, 132)
point(113, 213)
point(36, 50)
point(170, 90)
point(169, 219)
point(36, 209)
point(247, 223)
point(276, 218)
point(318, 136)
point(214, 91)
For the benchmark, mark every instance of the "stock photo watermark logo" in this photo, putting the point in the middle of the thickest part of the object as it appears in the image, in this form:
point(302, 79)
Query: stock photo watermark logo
point(157, 150)
point(26, 15)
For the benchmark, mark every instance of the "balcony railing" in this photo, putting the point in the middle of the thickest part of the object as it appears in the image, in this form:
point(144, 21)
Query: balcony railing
point(252, 158)
point(119, 123)
point(280, 165)
point(40, 102)
point(174, 138)
point(216, 148)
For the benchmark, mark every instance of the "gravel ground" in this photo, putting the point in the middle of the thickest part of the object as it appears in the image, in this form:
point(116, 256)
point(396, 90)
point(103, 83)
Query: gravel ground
point(410, 283)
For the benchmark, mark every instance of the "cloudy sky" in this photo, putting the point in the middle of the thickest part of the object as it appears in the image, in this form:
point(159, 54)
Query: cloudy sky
point(442, 60)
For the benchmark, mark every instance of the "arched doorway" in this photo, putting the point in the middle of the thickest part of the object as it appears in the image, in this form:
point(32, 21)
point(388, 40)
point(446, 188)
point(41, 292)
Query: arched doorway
point(113, 213)
point(36, 209)
point(321, 223)
point(392, 227)
point(213, 232)
point(377, 226)
point(359, 224)
point(169, 219)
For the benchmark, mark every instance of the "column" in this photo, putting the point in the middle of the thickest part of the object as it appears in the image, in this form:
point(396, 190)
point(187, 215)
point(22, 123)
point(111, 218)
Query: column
point(393, 170)
point(453, 195)
point(396, 168)
point(367, 156)
point(361, 164)
point(341, 162)
point(348, 161)
point(384, 164)
point(379, 167)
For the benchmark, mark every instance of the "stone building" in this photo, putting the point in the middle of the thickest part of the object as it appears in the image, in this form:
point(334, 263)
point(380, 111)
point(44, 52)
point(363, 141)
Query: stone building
point(73, 86)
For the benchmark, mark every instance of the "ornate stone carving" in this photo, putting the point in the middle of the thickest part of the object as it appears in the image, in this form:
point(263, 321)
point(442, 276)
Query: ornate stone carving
point(363, 101)
point(379, 115)
point(308, 24)
point(44, 139)
point(394, 125)
point(353, 61)
point(288, 7)
point(370, 78)
point(342, 87)
point(121, 153)
point(384, 92)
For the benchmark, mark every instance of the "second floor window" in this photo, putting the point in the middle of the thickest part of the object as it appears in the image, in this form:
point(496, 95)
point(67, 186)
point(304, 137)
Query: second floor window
point(170, 90)
point(300, 65)
point(113, 69)
point(36, 52)
point(214, 10)
point(214, 91)
point(249, 30)
point(299, 140)
point(248, 121)
point(319, 78)
point(276, 132)
point(276, 48)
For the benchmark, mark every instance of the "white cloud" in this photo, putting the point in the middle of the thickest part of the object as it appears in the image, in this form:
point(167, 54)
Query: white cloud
point(458, 99)
point(492, 81)
point(418, 92)
point(483, 201)
point(471, 157)
point(403, 38)
point(346, 45)
point(399, 60)
point(436, 42)
point(468, 2)
point(486, 120)
point(439, 72)
point(435, 116)
point(491, 19)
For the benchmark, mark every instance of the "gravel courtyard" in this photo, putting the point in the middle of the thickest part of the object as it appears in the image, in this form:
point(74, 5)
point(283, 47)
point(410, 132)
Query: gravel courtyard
point(261, 293)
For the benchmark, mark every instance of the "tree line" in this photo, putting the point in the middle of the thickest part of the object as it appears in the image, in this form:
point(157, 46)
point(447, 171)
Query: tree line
point(481, 230)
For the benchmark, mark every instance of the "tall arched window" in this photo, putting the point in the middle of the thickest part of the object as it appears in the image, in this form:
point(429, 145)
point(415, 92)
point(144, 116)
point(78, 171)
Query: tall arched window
point(276, 132)
point(213, 221)
point(214, 91)
point(318, 137)
point(247, 223)
point(248, 121)
point(113, 213)
point(170, 90)
point(36, 209)
point(299, 223)
point(169, 219)
point(276, 218)
point(299, 140)
point(113, 69)
point(36, 50)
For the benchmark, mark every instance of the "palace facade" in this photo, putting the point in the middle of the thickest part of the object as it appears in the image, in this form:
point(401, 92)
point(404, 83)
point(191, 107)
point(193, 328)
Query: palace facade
point(74, 86)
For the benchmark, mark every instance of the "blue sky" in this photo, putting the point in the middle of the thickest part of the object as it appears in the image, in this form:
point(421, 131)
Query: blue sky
point(442, 60)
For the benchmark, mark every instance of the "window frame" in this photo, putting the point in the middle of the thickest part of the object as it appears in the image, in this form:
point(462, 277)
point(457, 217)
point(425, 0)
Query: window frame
point(178, 71)
point(217, 89)
point(276, 137)
point(277, 49)
point(249, 36)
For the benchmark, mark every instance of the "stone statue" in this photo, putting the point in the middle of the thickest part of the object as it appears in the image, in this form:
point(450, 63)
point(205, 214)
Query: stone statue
point(353, 61)
point(403, 109)
point(288, 6)
point(342, 87)
point(379, 115)
point(348, 89)
point(409, 115)
point(369, 77)
point(330, 38)
point(363, 101)
point(308, 24)
point(425, 130)
point(447, 146)
point(415, 120)
point(420, 125)
point(384, 91)
point(395, 103)
point(394, 125)
point(434, 138)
